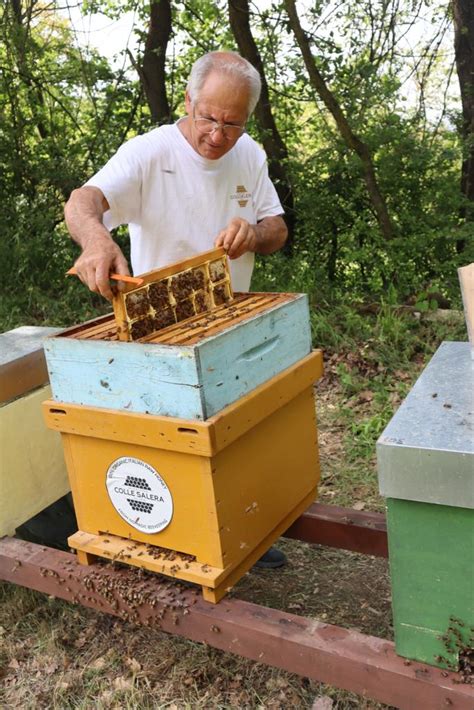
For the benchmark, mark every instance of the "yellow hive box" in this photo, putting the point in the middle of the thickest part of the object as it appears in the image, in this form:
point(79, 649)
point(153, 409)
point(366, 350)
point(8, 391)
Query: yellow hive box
point(216, 493)
point(32, 469)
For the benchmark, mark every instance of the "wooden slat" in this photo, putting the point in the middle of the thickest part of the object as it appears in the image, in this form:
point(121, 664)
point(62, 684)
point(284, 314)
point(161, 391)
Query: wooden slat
point(79, 331)
point(176, 267)
point(344, 528)
point(466, 280)
point(191, 331)
point(228, 316)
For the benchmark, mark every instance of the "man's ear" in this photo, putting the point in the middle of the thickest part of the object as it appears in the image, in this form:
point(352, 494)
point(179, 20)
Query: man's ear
point(188, 103)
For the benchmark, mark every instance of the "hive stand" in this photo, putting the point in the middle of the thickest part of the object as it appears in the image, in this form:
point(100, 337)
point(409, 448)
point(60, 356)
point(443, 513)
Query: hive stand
point(215, 582)
point(342, 658)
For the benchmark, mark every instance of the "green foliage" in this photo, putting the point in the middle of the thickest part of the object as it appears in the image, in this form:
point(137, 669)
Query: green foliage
point(64, 111)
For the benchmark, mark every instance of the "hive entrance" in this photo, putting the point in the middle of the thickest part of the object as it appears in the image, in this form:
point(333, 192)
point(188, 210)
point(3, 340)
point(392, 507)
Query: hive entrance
point(172, 295)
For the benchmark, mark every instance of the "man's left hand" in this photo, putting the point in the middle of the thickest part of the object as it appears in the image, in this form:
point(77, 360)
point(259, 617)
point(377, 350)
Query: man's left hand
point(237, 238)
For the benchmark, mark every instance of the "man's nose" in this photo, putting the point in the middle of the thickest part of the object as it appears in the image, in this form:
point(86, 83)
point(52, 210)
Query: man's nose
point(217, 138)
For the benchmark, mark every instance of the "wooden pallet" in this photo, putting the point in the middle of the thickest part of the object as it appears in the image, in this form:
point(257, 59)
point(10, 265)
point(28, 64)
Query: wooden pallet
point(343, 658)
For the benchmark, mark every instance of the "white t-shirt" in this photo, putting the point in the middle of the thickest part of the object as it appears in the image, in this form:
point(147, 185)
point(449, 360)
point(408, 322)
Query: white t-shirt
point(176, 202)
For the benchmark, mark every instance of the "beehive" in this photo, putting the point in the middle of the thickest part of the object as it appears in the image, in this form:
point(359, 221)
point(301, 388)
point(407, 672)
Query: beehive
point(197, 500)
point(32, 469)
point(191, 369)
point(426, 473)
point(173, 294)
point(182, 416)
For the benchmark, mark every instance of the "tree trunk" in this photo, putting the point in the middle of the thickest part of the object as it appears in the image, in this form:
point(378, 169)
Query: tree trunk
point(463, 16)
point(351, 139)
point(272, 142)
point(23, 44)
point(152, 72)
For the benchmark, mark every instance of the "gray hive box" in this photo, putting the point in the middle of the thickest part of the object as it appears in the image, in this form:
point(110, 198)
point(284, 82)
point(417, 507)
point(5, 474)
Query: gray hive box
point(426, 451)
point(426, 473)
point(22, 361)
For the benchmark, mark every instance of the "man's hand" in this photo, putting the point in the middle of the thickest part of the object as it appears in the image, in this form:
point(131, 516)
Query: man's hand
point(263, 238)
point(100, 254)
point(100, 258)
point(237, 238)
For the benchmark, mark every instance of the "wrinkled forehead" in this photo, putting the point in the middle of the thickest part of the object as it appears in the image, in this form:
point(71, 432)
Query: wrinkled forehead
point(224, 94)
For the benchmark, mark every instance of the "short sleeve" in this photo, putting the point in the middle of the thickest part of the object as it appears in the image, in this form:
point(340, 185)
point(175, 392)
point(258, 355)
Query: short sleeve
point(265, 197)
point(120, 181)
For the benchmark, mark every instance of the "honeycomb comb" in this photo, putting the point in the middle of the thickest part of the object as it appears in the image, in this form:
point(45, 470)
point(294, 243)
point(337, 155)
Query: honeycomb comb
point(172, 295)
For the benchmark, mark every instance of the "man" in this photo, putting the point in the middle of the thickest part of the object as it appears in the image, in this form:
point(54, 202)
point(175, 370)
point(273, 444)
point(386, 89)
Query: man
point(185, 188)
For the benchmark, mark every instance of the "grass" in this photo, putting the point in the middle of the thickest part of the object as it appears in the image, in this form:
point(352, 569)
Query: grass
point(55, 655)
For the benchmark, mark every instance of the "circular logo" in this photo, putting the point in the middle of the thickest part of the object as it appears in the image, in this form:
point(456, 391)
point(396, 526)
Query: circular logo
point(139, 494)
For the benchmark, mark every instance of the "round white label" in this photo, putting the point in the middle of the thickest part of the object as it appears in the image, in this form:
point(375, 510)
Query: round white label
point(139, 494)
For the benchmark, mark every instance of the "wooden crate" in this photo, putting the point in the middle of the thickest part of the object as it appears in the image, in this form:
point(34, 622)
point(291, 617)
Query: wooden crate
point(32, 469)
point(190, 370)
point(197, 500)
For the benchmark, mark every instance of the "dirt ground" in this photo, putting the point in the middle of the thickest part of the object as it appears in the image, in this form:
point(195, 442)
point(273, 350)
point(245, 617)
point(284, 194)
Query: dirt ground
point(54, 655)
point(57, 656)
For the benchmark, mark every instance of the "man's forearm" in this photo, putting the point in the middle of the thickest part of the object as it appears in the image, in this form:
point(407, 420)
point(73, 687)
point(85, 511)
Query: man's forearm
point(271, 235)
point(100, 254)
point(83, 215)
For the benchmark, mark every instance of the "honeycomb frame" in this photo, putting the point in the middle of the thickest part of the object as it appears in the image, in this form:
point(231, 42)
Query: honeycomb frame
point(173, 294)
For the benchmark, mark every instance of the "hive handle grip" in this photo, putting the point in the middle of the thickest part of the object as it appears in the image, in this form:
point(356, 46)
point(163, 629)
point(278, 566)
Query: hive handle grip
point(259, 350)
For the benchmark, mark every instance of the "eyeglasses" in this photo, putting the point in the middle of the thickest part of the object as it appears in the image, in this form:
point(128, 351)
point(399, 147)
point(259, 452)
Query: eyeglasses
point(230, 131)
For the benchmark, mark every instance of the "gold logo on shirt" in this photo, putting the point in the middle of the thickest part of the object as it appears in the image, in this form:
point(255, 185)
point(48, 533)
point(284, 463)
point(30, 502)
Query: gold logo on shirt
point(241, 195)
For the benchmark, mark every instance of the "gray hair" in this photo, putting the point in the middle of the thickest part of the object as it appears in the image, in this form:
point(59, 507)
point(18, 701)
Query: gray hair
point(229, 63)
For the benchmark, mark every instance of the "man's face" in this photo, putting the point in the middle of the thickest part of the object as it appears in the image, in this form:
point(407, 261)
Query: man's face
point(221, 99)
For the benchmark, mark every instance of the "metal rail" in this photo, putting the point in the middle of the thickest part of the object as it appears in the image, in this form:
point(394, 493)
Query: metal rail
point(340, 657)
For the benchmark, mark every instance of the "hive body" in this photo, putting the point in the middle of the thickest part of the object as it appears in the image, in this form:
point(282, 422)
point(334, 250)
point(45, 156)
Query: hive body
point(426, 472)
point(192, 371)
point(236, 481)
point(32, 469)
point(190, 441)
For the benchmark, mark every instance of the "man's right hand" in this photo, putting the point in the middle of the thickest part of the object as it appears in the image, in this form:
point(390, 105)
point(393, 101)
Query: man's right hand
point(100, 258)
point(100, 254)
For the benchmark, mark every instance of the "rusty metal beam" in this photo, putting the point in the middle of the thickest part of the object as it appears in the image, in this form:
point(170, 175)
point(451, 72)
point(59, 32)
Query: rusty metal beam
point(344, 528)
point(342, 658)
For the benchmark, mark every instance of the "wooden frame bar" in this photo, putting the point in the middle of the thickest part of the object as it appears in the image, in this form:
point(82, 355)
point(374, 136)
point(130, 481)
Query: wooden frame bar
point(340, 657)
point(345, 528)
